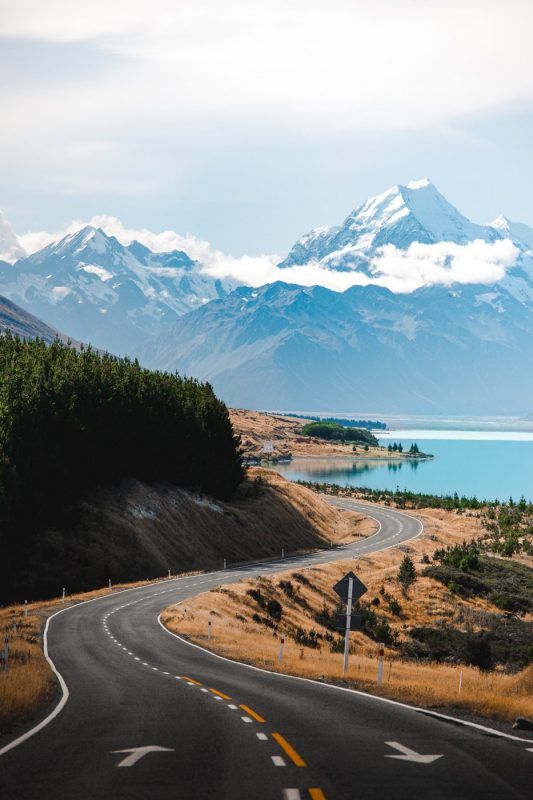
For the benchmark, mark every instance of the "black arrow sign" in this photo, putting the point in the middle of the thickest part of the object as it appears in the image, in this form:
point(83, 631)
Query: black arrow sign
point(342, 587)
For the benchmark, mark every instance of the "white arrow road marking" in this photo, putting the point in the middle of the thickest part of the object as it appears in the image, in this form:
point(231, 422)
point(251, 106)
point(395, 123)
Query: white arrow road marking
point(137, 753)
point(411, 755)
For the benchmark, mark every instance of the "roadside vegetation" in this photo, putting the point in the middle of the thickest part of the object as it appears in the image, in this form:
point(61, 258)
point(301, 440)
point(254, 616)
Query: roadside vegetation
point(71, 420)
point(456, 626)
point(507, 527)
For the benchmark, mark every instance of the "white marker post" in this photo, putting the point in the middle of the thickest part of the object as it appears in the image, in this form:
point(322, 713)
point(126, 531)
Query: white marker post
point(209, 629)
point(169, 573)
point(280, 656)
point(25, 608)
point(380, 666)
point(225, 563)
point(283, 552)
point(460, 680)
point(109, 583)
point(348, 625)
point(63, 595)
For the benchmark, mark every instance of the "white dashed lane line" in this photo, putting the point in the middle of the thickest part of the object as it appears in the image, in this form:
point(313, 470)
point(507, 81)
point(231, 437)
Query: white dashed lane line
point(277, 761)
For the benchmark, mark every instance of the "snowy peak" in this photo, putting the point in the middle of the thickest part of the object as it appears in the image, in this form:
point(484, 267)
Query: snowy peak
point(517, 231)
point(416, 212)
point(10, 247)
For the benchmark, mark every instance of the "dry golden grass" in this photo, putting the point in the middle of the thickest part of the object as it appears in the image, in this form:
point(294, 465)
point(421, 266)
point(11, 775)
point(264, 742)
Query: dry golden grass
point(257, 427)
point(235, 633)
point(29, 682)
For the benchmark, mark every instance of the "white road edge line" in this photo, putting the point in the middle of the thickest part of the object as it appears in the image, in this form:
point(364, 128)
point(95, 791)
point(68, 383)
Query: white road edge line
point(64, 689)
point(425, 711)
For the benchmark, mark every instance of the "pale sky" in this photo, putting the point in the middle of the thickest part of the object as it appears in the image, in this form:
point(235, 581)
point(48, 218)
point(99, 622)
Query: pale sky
point(248, 122)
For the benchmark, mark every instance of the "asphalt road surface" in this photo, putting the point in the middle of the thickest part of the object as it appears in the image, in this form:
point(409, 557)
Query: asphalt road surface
point(217, 729)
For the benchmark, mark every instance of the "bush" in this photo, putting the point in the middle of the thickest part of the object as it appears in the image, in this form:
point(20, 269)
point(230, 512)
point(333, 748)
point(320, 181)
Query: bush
point(274, 609)
point(407, 572)
point(307, 638)
point(395, 607)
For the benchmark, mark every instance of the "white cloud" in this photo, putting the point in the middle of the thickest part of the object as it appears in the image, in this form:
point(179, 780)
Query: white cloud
point(341, 64)
point(443, 263)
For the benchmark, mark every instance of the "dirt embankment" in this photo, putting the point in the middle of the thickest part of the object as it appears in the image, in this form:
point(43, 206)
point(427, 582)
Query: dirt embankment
point(249, 617)
point(273, 435)
point(134, 532)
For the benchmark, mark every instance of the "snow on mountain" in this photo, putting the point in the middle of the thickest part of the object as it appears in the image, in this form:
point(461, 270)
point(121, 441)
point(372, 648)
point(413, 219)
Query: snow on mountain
point(400, 216)
point(10, 247)
point(103, 292)
point(516, 231)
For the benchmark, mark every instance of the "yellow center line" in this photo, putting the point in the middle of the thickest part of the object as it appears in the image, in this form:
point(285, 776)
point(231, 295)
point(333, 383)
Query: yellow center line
point(220, 694)
point(191, 680)
point(289, 749)
point(317, 794)
point(252, 713)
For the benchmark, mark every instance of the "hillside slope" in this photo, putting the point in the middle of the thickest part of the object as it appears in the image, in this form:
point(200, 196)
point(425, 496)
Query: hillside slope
point(135, 531)
point(21, 323)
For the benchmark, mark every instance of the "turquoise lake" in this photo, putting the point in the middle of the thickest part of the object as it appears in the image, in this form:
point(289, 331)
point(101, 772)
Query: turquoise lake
point(470, 463)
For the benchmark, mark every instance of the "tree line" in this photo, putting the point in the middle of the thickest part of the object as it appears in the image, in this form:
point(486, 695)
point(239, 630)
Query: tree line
point(71, 419)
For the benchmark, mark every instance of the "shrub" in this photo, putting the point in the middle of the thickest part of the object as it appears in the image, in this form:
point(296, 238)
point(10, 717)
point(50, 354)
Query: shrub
point(274, 609)
point(407, 572)
point(395, 607)
point(307, 638)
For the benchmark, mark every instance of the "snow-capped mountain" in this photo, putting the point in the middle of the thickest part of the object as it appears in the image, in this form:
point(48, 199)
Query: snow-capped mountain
point(436, 350)
point(10, 247)
point(400, 216)
point(105, 293)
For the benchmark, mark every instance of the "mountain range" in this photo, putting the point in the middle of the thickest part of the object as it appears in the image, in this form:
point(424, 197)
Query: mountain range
point(105, 293)
point(462, 347)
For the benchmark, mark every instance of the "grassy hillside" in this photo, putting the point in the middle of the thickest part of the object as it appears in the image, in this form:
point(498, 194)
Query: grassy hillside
point(71, 420)
point(443, 649)
point(136, 531)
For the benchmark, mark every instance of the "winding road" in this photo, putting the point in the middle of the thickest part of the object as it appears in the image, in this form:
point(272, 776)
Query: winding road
point(147, 716)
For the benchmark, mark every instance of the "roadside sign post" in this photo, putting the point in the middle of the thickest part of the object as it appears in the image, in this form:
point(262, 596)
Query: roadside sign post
point(349, 589)
point(348, 624)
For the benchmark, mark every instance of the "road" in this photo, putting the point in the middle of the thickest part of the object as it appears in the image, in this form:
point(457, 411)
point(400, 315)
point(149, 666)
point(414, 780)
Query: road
point(230, 731)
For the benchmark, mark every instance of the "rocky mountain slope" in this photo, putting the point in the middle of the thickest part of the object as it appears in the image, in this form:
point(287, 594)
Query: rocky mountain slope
point(436, 350)
point(105, 293)
point(25, 325)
